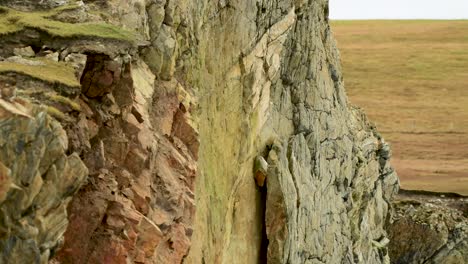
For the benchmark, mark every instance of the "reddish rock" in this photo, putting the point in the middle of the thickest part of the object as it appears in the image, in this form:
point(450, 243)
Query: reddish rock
point(149, 236)
point(136, 161)
point(182, 129)
point(100, 76)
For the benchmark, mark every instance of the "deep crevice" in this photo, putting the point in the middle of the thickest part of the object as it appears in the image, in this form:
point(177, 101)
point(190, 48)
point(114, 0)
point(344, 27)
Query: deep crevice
point(264, 243)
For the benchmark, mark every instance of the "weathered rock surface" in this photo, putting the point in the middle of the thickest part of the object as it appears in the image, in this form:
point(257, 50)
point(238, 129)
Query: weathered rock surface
point(169, 104)
point(277, 91)
point(38, 179)
point(429, 229)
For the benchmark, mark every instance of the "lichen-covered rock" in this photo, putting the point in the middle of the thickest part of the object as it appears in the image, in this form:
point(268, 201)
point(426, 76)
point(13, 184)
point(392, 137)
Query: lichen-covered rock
point(38, 179)
point(30, 5)
point(276, 90)
point(24, 52)
point(429, 229)
point(168, 104)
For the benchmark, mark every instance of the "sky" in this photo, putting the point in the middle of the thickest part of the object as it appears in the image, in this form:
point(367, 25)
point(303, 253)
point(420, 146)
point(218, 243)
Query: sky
point(398, 9)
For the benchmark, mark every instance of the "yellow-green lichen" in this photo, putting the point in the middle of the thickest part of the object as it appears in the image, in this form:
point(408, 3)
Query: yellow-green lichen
point(63, 100)
point(54, 112)
point(46, 70)
point(12, 21)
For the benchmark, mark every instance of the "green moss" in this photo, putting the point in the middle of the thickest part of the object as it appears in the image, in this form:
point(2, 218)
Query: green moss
point(63, 100)
point(49, 71)
point(13, 21)
point(54, 112)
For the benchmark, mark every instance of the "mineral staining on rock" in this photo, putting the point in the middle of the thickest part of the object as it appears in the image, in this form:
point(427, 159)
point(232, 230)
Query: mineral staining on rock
point(260, 170)
point(38, 181)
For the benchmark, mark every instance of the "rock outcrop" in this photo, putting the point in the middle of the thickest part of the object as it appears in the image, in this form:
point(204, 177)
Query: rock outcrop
point(209, 132)
point(37, 181)
point(429, 228)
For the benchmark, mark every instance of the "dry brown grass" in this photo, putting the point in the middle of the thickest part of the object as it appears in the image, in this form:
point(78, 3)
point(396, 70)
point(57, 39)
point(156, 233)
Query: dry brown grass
point(411, 77)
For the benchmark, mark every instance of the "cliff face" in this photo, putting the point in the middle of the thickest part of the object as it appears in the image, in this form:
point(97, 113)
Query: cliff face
point(209, 131)
point(273, 88)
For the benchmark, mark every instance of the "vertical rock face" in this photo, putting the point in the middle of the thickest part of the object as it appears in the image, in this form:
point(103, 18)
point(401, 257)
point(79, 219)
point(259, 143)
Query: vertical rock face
point(275, 90)
point(170, 105)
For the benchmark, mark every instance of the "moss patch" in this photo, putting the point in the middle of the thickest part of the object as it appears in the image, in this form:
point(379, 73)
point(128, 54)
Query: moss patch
point(63, 100)
point(12, 21)
point(49, 71)
point(57, 114)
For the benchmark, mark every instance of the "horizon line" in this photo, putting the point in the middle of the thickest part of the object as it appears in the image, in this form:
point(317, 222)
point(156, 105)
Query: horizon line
point(441, 19)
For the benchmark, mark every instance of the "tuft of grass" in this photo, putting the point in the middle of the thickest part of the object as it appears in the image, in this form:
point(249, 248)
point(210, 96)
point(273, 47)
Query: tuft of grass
point(12, 21)
point(57, 114)
point(63, 100)
point(49, 71)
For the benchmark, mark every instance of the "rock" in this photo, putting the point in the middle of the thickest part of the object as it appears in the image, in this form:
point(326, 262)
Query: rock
point(149, 238)
point(52, 56)
point(328, 195)
point(161, 57)
point(428, 230)
point(29, 5)
point(170, 142)
point(41, 179)
point(78, 14)
point(100, 76)
point(27, 52)
point(260, 170)
point(78, 62)
point(183, 129)
point(21, 60)
point(5, 181)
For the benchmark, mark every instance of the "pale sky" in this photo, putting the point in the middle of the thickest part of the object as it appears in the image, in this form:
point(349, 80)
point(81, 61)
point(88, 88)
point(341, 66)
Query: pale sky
point(398, 9)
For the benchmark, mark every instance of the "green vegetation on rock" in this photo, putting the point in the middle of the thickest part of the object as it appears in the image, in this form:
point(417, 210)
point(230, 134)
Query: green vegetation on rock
point(12, 21)
point(46, 70)
point(54, 112)
point(63, 100)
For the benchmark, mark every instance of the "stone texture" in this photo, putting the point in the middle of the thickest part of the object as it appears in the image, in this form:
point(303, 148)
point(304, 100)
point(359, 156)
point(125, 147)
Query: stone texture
point(38, 180)
point(24, 52)
point(276, 91)
point(169, 127)
point(138, 205)
point(78, 62)
point(28, 5)
point(429, 229)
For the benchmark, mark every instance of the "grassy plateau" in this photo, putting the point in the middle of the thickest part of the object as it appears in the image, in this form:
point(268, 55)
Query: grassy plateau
point(46, 70)
point(411, 77)
point(12, 21)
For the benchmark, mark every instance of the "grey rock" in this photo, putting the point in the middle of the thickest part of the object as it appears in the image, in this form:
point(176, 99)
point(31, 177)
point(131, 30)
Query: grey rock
point(428, 230)
point(78, 62)
point(21, 60)
point(52, 56)
point(42, 178)
point(28, 5)
point(27, 52)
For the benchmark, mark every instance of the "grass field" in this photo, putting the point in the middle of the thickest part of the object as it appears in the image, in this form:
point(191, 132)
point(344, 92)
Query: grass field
point(411, 77)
